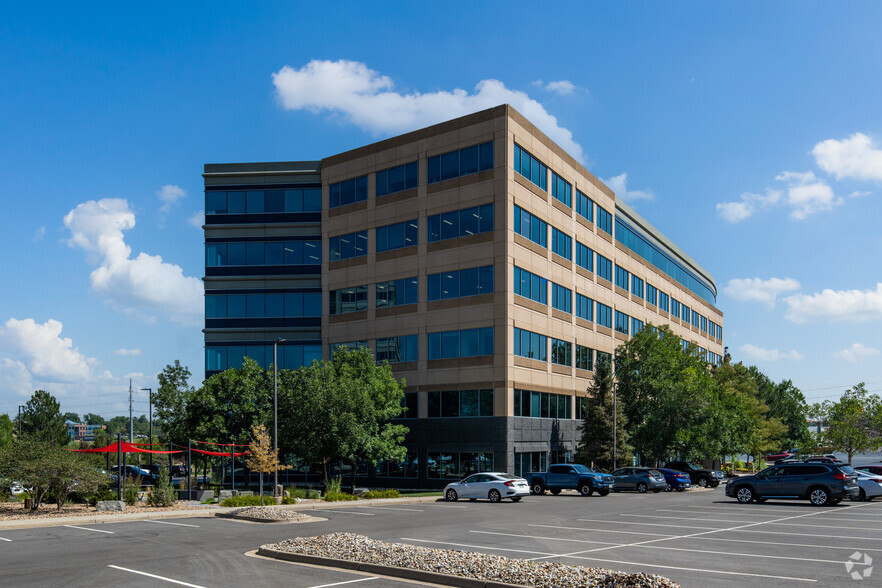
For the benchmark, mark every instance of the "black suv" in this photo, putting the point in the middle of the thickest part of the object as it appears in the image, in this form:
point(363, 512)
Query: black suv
point(820, 483)
point(698, 475)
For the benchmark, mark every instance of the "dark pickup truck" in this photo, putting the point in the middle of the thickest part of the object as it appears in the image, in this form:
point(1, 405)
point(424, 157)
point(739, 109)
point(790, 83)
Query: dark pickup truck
point(570, 476)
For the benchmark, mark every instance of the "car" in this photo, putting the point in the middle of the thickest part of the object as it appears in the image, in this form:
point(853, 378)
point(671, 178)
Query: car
point(675, 480)
point(639, 479)
point(133, 471)
point(570, 476)
point(491, 485)
point(870, 486)
point(16, 489)
point(820, 483)
point(822, 459)
point(869, 469)
point(777, 456)
point(698, 475)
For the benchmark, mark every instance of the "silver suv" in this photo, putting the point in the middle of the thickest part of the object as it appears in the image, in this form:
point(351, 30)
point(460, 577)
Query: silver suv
point(820, 483)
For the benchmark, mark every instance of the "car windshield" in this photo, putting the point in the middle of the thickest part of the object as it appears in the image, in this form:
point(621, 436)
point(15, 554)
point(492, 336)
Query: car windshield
point(846, 469)
point(508, 477)
point(580, 469)
point(655, 473)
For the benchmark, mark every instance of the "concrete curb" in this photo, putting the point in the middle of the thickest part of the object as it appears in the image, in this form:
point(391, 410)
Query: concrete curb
point(381, 570)
point(305, 519)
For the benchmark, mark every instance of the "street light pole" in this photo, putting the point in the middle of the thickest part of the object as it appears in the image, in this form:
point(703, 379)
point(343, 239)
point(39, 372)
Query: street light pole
point(615, 424)
point(276, 342)
point(150, 397)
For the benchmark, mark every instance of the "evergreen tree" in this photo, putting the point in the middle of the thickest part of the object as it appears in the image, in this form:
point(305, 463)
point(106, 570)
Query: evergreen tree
point(41, 420)
point(596, 445)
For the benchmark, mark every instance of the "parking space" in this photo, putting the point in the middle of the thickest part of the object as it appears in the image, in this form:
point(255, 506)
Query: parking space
point(697, 538)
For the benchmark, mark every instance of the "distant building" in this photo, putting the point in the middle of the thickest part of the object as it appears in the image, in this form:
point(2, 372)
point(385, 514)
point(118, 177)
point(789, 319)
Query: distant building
point(485, 263)
point(82, 432)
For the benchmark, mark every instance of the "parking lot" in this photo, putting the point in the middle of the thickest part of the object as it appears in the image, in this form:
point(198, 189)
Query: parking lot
point(697, 538)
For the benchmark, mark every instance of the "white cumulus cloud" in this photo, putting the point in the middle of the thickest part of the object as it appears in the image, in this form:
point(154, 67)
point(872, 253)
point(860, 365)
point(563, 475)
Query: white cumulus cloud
point(836, 305)
point(857, 352)
point(855, 157)
point(742, 209)
point(759, 290)
point(169, 195)
point(807, 195)
point(44, 351)
point(619, 185)
point(756, 353)
point(197, 219)
point(562, 87)
point(125, 352)
point(144, 285)
point(368, 99)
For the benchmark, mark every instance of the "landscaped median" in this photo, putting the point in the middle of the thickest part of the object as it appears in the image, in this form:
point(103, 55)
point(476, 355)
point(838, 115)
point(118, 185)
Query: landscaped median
point(446, 566)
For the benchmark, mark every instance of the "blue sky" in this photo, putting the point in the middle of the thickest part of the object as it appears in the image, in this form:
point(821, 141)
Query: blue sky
point(749, 133)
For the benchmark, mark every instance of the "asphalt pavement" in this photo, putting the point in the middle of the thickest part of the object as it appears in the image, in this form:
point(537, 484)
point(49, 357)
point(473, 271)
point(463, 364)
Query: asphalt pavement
point(697, 538)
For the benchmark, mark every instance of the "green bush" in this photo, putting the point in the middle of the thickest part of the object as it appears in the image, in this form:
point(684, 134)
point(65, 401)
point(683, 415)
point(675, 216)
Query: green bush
point(101, 495)
point(164, 493)
point(4, 494)
point(380, 494)
point(336, 496)
point(132, 491)
point(333, 485)
point(242, 501)
point(313, 494)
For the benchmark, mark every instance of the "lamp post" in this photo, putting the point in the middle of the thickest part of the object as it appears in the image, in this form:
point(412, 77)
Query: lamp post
point(150, 410)
point(615, 424)
point(276, 342)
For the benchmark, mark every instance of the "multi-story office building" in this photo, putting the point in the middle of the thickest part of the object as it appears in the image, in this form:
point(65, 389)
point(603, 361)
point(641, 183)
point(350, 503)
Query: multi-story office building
point(488, 266)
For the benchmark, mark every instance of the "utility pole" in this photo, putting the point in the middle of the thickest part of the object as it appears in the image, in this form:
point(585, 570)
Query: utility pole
point(150, 397)
point(131, 421)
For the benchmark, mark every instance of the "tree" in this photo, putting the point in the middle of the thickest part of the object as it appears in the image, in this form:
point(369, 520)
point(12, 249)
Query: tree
point(7, 431)
point(169, 402)
point(787, 404)
point(263, 458)
point(853, 421)
point(41, 420)
point(71, 416)
point(93, 419)
point(668, 395)
point(596, 445)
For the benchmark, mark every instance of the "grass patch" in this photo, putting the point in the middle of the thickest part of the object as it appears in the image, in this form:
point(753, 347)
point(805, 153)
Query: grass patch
point(334, 496)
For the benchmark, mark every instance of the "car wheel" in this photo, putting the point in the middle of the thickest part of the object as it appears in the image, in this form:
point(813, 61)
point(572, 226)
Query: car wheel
point(744, 494)
point(819, 497)
point(714, 484)
point(586, 489)
point(556, 491)
point(515, 498)
point(642, 487)
point(702, 482)
point(494, 496)
point(668, 488)
point(537, 488)
point(680, 489)
point(450, 495)
point(603, 492)
point(863, 495)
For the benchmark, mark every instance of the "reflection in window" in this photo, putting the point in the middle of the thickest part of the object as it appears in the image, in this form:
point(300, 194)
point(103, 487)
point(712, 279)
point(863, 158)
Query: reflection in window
point(254, 253)
point(604, 315)
point(604, 268)
point(460, 223)
point(464, 343)
point(531, 345)
point(460, 403)
point(530, 285)
point(460, 283)
point(397, 292)
point(530, 226)
point(584, 206)
point(561, 243)
point(397, 349)
point(541, 405)
point(397, 179)
point(296, 304)
point(290, 356)
point(397, 236)
point(342, 193)
point(584, 358)
point(346, 246)
point(584, 308)
point(462, 162)
point(561, 189)
point(263, 201)
point(561, 352)
point(561, 298)
point(350, 299)
point(530, 167)
point(457, 465)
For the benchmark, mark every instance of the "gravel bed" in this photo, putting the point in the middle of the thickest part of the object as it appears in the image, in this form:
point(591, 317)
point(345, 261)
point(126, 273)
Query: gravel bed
point(14, 511)
point(270, 513)
point(481, 566)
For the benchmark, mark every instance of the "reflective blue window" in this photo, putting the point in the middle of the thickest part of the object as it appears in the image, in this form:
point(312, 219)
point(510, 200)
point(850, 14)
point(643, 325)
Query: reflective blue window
point(584, 358)
point(663, 301)
point(541, 405)
point(637, 286)
point(530, 167)
point(685, 313)
point(530, 226)
point(397, 349)
point(703, 326)
point(397, 292)
point(299, 304)
point(397, 179)
point(696, 319)
point(350, 299)
point(459, 403)
point(623, 277)
point(349, 245)
point(604, 315)
point(584, 257)
point(584, 206)
point(636, 326)
point(651, 294)
point(561, 298)
point(460, 283)
point(290, 357)
point(460, 223)
point(397, 236)
point(561, 352)
point(529, 344)
point(530, 285)
point(460, 163)
point(675, 307)
point(262, 201)
point(622, 321)
point(343, 193)
point(561, 189)
point(464, 343)
point(263, 253)
point(604, 220)
point(561, 243)
point(584, 308)
point(352, 345)
point(604, 268)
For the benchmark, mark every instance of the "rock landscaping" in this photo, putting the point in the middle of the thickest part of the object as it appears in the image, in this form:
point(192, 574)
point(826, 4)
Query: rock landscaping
point(267, 513)
point(479, 566)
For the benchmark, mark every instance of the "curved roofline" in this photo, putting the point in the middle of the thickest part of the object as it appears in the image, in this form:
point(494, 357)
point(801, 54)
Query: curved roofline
point(656, 235)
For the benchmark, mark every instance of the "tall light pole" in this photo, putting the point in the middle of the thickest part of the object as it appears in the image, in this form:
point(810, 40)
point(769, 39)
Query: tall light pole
point(276, 342)
point(615, 424)
point(150, 410)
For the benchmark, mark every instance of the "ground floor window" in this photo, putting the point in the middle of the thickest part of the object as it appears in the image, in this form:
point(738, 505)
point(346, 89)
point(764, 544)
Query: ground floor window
point(408, 468)
point(532, 461)
point(458, 465)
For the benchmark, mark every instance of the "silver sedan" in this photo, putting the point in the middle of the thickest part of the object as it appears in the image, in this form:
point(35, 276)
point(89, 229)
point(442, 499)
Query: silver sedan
point(491, 485)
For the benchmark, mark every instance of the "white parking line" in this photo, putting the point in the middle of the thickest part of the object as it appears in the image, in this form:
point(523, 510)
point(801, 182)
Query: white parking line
point(764, 522)
point(394, 508)
point(447, 506)
point(88, 529)
point(545, 538)
point(647, 524)
point(168, 523)
point(792, 544)
point(675, 518)
point(604, 530)
point(155, 576)
point(364, 514)
point(347, 582)
point(5, 539)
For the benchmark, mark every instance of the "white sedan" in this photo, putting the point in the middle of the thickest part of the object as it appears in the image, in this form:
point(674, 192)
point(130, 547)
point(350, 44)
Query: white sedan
point(870, 484)
point(491, 485)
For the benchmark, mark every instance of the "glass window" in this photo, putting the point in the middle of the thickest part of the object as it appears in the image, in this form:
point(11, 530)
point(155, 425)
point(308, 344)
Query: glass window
point(456, 284)
point(346, 246)
point(604, 268)
point(397, 349)
point(561, 243)
point(584, 206)
point(561, 352)
point(561, 298)
point(637, 286)
point(541, 405)
point(584, 358)
point(623, 277)
point(530, 226)
point(531, 345)
point(636, 326)
point(530, 167)
point(460, 223)
point(215, 202)
point(663, 301)
point(460, 163)
point(397, 236)
point(584, 257)
point(464, 343)
point(397, 292)
point(622, 321)
point(236, 202)
point(675, 308)
point(604, 220)
point(561, 189)
point(584, 308)
point(291, 356)
point(685, 313)
point(254, 201)
point(397, 179)
point(604, 315)
point(652, 294)
point(530, 285)
point(346, 300)
point(348, 192)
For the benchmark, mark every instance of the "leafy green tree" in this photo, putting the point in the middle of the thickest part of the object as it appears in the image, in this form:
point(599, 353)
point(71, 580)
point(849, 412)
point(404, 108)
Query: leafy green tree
point(853, 422)
point(72, 416)
point(170, 402)
point(787, 404)
point(668, 395)
point(93, 419)
point(7, 431)
point(596, 444)
point(41, 420)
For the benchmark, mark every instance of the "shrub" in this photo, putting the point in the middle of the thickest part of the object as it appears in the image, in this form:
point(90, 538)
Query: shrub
point(4, 494)
point(380, 494)
point(242, 501)
point(101, 495)
point(132, 491)
point(336, 496)
point(163, 494)
point(333, 485)
point(313, 494)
